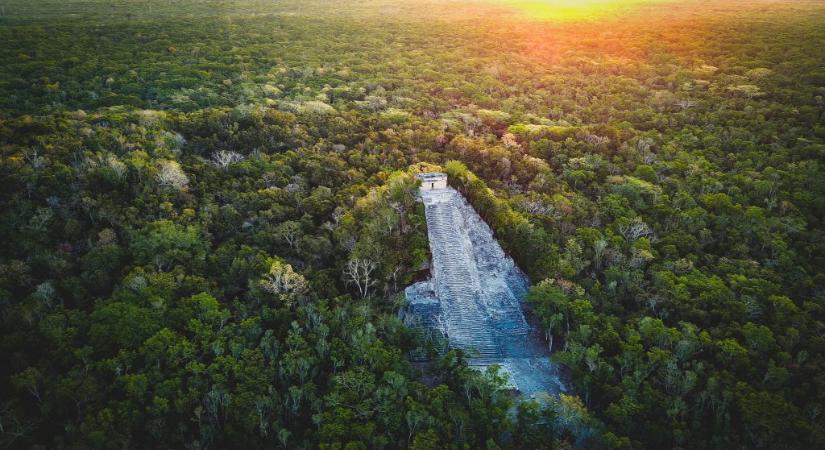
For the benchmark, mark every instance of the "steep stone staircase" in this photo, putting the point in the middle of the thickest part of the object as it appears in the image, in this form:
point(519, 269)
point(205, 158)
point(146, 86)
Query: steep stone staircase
point(476, 301)
point(475, 296)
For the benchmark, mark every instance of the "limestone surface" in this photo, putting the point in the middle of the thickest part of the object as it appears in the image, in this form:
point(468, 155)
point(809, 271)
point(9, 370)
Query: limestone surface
point(475, 296)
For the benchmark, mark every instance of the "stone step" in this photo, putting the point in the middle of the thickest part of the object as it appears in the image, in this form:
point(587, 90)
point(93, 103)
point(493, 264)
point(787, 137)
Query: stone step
point(463, 248)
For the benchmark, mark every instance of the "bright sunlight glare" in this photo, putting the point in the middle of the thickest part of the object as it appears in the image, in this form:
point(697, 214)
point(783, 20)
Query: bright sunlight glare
point(574, 10)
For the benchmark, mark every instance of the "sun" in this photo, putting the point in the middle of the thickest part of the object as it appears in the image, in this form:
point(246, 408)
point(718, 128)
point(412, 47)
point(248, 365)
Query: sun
point(573, 10)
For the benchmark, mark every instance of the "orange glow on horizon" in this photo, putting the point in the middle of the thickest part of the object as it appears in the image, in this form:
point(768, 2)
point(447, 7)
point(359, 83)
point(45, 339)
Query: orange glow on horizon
point(573, 10)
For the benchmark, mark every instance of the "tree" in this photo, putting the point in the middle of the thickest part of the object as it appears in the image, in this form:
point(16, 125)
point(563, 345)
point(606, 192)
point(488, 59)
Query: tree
point(289, 232)
point(225, 158)
point(283, 282)
point(171, 175)
point(164, 242)
point(359, 272)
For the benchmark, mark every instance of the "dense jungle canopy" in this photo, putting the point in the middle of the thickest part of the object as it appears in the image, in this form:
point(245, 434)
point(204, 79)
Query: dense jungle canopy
point(190, 190)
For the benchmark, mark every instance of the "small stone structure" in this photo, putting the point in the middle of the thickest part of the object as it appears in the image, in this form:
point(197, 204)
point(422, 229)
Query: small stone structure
point(432, 180)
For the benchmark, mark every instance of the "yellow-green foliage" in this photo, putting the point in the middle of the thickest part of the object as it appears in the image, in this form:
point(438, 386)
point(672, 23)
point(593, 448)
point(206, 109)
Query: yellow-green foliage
point(185, 186)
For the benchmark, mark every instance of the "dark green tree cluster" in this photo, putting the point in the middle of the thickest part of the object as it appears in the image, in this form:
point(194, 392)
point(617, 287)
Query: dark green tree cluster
point(208, 216)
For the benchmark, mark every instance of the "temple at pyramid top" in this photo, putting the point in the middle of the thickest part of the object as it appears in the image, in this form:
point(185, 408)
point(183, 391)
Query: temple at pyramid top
point(432, 180)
